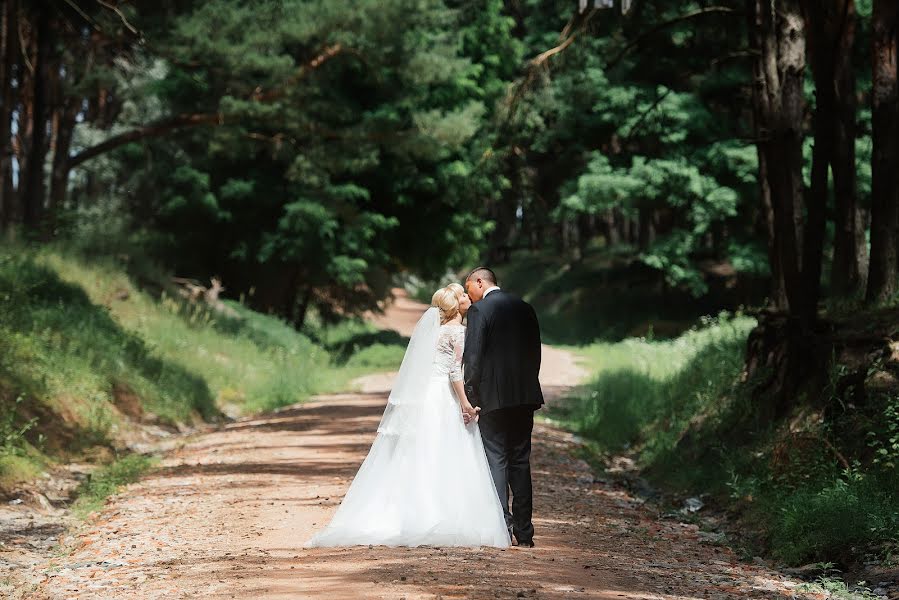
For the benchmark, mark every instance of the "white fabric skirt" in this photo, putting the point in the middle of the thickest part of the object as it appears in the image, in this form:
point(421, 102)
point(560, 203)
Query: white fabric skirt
point(425, 481)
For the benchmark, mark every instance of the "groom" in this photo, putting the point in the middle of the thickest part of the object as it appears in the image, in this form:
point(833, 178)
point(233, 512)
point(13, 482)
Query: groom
point(502, 362)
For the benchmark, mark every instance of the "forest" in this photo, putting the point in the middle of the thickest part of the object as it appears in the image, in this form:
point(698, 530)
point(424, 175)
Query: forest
point(700, 197)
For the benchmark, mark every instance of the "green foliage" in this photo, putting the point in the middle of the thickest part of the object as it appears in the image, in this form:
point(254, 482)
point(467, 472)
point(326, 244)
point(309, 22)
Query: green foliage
point(12, 433)
point(107, 480)
point(827, 521)
point(608, 295)
point(646, 392)
point(885, 441)
point(79, 337)
point(832, 587)
point(679, 407)
point(651, 138)
point(346, 149)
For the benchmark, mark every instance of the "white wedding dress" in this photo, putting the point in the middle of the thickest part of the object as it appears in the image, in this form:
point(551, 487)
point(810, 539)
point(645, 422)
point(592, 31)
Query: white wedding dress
point(425, 480)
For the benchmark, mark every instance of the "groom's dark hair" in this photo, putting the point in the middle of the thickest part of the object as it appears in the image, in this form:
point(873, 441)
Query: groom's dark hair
point(482, 273)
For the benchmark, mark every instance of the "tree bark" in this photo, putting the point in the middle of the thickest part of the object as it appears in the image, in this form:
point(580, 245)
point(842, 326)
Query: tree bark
point(152, 130)
point(33, 188)
point(884, 262)
point(831, 27)
point(778, 296)
point(777, 32)
point(846, 276)
point(777, 37)
point(62, 143)
point(819, 24)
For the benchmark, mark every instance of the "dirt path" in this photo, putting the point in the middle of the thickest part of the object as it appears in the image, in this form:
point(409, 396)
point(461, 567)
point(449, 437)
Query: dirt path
point(225, 516)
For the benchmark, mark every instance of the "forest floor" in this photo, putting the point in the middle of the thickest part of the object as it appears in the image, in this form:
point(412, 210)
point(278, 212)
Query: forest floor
point(227, 511)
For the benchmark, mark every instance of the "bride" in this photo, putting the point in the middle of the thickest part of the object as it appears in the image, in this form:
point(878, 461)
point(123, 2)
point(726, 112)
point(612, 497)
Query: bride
point(425, 480)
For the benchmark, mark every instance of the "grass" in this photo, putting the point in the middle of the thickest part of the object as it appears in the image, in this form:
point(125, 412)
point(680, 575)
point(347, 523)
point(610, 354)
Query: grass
point(818, 521)
point(65, 351)
point(107, 480)
point(251, 361)
point(680, 409)
point(81, 343)
point(647, 391)
point(16, 468)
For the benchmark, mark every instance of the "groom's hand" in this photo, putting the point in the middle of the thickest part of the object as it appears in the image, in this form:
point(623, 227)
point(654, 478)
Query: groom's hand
point(470, 413)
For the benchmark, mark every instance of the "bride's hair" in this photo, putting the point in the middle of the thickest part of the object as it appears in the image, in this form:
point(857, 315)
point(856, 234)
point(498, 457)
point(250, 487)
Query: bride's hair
point(446, 300)
point(458, 289)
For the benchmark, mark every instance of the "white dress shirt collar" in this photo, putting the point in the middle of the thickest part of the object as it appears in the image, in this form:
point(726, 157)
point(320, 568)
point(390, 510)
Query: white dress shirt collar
point(490, 289)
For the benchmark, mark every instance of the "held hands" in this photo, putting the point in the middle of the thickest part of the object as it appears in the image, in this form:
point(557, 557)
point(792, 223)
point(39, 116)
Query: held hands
point(470, 413)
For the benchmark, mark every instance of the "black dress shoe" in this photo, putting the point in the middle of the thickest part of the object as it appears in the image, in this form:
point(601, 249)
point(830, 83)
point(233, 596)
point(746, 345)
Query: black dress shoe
point(524, 543)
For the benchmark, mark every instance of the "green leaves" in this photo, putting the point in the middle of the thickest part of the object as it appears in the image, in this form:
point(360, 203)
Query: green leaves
point(693, 201)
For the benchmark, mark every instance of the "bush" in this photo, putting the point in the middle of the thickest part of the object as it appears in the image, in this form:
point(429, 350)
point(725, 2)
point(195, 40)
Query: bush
point(824, 523)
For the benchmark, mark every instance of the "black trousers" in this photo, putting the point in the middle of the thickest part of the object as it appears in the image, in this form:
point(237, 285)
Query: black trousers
point(507, 441)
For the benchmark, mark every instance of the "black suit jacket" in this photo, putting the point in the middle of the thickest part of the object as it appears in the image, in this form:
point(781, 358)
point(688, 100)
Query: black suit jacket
point(502, 353)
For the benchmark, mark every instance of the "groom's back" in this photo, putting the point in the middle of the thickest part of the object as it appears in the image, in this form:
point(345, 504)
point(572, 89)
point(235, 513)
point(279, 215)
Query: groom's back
point(511, 353)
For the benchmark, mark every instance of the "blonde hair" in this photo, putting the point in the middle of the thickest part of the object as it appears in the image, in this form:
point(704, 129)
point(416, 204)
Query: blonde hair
point(446, 299)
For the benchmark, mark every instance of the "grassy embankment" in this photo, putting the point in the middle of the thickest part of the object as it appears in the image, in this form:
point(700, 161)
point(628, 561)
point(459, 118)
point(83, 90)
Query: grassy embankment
point(85, 354)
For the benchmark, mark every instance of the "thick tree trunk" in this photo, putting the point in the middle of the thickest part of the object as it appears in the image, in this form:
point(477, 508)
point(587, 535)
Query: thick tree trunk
point(777, 32)
point(884, 263)
point(33, 188)
point(777, 35)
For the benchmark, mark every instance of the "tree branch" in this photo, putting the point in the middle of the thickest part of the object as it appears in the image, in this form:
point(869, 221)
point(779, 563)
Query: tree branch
point(152, 130)
point(169, 124)
point(325, 55)
point(121, 15)
point(566, 38)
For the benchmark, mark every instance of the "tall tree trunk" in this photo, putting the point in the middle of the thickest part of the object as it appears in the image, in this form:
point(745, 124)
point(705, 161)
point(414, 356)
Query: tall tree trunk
point(33, 188)
point(62, 143)
point(780, 344)
point(846, 276)
point(609, 229)
point(777, 32)
point(831, 26)
point(884, 262)
point(8, 52)
point(502, 212)
point(778, 296)
point(819, 20)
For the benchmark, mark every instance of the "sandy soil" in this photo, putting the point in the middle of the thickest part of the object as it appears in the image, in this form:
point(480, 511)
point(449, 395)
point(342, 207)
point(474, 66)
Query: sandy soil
point(226, 514)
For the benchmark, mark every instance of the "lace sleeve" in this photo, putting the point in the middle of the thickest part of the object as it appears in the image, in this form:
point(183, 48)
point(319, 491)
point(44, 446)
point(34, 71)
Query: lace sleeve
point(458, 342)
